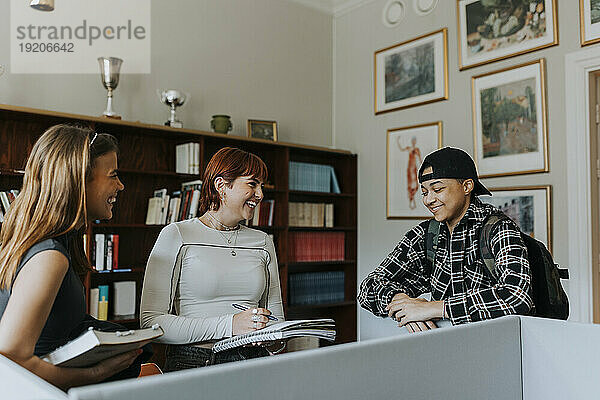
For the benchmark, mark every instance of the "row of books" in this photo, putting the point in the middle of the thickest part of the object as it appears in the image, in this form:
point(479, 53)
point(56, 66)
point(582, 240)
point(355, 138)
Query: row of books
point(187, 158)
point(310, 214)
point(316, 287)
point(105, 252)
point(263, 214)
point(312, 177)
point(316, 246)
point(180, 205)
point(6, 199)
point(123, 305)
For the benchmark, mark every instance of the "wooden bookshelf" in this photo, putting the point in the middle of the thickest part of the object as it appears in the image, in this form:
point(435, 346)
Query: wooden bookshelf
point(147, 162)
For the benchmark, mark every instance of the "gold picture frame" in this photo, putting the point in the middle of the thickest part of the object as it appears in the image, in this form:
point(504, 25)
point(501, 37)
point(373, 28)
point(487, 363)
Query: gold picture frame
point(396, 89)
point(529, 206)
point(406, 147)
point(510, 128)
point(589, 23)
point(492, 40)
point(261, 129)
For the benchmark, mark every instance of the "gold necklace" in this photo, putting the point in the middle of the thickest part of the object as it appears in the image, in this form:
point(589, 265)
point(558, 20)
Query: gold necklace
point(233, 235)
point(222, 225)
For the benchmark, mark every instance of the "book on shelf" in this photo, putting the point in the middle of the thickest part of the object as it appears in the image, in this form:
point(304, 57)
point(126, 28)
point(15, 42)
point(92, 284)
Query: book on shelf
point(154, 210)
point(316, 246)
point(93, 346)
point(264, 213)
point(103, 302)
point(187, 158)
point(105, 252)
point(321, 287)
point(180, 205)
point(315, 215)
point(312, 177)
point(319, 328)
point(6, 199)
point(124, 299)
point(94, 296)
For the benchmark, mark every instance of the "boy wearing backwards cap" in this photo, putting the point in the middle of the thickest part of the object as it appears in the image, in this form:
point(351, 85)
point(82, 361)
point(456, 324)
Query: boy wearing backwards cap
point(460, 291)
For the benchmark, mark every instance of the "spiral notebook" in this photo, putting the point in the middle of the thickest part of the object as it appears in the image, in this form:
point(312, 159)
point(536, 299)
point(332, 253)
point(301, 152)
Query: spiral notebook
point(319, 328)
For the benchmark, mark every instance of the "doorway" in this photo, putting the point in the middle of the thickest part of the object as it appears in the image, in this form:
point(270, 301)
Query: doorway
point(594, 132)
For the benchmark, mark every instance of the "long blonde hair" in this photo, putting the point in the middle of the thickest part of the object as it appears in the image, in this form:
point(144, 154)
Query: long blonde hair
point(52, 201)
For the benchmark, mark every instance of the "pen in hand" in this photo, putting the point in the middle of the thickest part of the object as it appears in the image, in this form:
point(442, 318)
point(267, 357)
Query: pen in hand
point(244, 308)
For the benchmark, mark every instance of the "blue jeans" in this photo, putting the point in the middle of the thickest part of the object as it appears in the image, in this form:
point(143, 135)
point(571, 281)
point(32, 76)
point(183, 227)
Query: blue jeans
point(181, 357)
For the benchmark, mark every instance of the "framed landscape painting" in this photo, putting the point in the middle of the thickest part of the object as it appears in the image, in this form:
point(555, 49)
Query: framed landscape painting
point(589, 15)
point(509, 120)
point(529, 207)
point(412, 72)
point(406, 148)
point(491, 30)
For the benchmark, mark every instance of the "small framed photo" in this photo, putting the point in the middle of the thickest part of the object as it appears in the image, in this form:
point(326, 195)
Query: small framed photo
point(259, 129)
point(509, 120)
point(406, 148)
point(529, 206)
point(589, 15)
point(492, 30)
point(412, 73)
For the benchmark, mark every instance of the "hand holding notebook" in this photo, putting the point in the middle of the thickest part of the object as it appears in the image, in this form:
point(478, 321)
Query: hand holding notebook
point(320, 328)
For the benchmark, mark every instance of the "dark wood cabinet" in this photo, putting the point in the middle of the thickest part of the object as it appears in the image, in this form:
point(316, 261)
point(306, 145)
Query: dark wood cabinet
point(147, 162)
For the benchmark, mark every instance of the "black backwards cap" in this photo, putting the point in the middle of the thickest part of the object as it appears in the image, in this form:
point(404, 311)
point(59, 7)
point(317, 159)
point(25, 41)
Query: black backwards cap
point(450, 162)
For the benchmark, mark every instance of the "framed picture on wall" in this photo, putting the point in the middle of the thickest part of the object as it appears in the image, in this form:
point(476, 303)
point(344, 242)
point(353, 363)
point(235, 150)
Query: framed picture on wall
point(509, 120)
point(492, 30)
point(262, 129)
point(412, 73)
point(529, 206)
point(589, 25)
point(406, 148)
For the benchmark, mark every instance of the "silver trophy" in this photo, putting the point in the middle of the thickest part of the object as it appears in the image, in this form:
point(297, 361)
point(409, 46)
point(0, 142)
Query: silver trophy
point(109, 73)
point(173, 99)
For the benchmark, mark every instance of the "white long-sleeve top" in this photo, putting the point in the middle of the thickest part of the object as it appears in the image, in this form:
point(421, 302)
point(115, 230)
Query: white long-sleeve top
point(192, 279)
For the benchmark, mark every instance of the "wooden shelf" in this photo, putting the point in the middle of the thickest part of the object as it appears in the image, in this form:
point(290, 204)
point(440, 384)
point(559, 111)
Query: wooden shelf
point(320, 263)
point(12, 172)
point(321, 194)
point(159, 173)
point(125, 321)
point(131, 226)
point(322, 228)
point(268, 228)
point(136, 270)
point(304, 307)
point(148, 158)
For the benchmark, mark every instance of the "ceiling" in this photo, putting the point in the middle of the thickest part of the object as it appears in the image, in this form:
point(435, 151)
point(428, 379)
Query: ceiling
point(332, 6)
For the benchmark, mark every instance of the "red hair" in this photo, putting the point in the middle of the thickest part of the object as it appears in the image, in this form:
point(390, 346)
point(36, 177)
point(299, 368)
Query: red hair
point(228, 163)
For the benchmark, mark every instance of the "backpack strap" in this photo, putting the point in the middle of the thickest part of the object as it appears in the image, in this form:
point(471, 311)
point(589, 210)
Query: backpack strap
point(432, 237)
point(485, 234)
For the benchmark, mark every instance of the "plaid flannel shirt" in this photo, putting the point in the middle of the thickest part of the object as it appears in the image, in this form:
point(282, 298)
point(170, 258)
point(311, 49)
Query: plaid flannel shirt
point(458, 274)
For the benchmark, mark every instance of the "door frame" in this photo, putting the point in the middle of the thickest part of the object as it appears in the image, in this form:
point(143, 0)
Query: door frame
point(579, 66)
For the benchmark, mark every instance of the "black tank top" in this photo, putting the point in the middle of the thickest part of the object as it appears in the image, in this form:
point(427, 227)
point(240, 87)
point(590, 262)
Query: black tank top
point(68, 310)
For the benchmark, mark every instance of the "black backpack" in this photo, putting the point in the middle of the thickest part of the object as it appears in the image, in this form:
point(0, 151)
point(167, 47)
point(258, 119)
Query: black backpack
point(547, 292)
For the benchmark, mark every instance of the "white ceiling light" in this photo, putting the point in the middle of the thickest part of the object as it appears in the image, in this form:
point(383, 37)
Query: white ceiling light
point(424, 7)
point(393, 13)
point(42, 5)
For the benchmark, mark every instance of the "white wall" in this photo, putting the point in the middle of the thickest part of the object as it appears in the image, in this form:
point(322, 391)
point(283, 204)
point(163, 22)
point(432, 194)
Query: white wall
point(358, 34)
point(251, 59)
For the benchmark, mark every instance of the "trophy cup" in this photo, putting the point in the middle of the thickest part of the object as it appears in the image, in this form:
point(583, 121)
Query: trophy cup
point(109, 73)
point(173, 99)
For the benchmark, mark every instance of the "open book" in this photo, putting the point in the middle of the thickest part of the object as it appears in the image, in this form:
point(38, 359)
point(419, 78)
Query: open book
point(319, 328)
point(94, 346)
